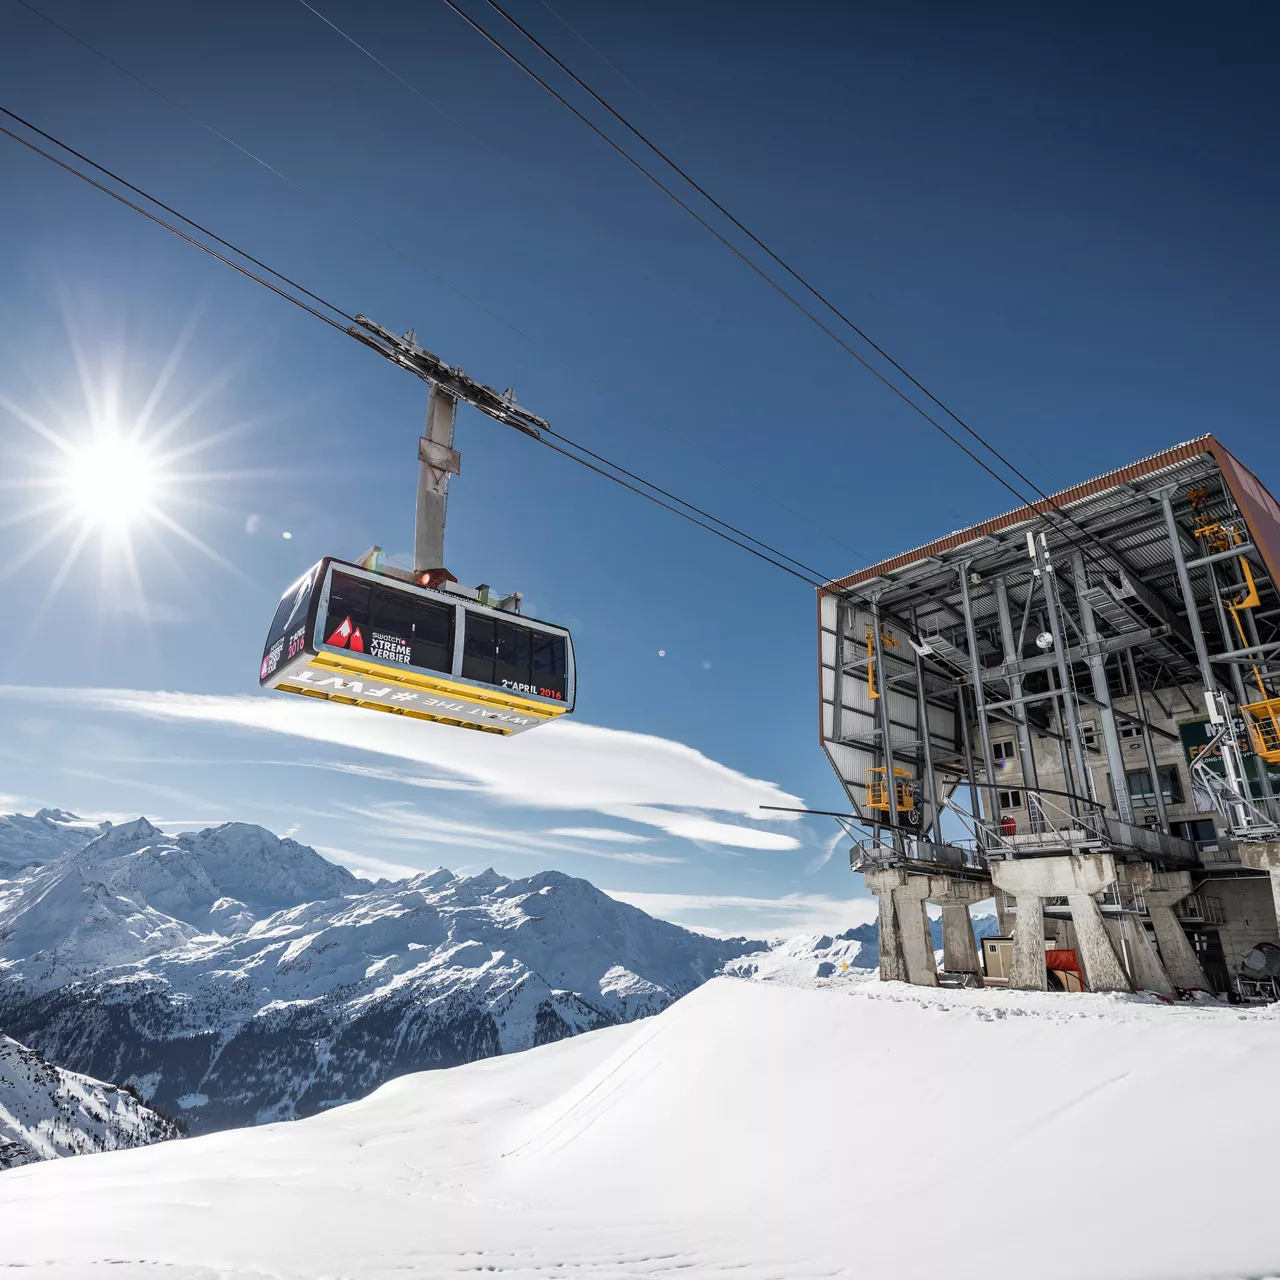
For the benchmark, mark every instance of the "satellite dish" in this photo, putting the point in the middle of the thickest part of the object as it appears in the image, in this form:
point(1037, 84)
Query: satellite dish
point(1044, 641)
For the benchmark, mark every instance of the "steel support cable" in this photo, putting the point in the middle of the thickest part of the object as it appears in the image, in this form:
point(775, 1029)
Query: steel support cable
point(809, 576)
point(815, 580)
point(755, 239)
point(776, 258)
point(728, 244)
point(819, 579)
point(160, 204)
point(177, 231)
point(386, 244)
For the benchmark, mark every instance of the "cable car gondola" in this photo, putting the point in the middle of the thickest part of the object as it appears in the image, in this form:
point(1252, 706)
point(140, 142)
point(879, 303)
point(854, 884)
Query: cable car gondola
point(387, 641)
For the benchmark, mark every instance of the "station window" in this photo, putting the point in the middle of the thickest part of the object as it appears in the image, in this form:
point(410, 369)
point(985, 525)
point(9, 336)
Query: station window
point(1130, 731)
point(1089, 734)
point(1010, 799)
point(1003, 750)
point(1142, 792)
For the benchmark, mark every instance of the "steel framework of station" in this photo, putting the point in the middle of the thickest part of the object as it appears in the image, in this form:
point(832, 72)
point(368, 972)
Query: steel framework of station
point(1074, 708)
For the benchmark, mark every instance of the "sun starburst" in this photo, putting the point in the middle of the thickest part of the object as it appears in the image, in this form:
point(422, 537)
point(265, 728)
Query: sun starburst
point(111, 477)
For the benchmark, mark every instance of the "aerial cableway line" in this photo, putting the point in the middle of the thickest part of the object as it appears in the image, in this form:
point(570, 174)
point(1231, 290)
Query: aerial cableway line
point(414, 643)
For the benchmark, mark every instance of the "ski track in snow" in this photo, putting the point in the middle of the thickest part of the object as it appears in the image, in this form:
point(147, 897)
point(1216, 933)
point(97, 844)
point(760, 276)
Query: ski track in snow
point(776, 1127)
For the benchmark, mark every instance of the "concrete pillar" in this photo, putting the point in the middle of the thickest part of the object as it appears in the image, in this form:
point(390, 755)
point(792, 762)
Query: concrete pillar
point(1146, 973)
point(1180, 960)
point(959, 950)
point(1145, 970)
point(955, 896)
point(893, 965)
point(913, 927)
point(1102, 968)
point(1028, 972)
point(1265, 857)
point(1077, 877)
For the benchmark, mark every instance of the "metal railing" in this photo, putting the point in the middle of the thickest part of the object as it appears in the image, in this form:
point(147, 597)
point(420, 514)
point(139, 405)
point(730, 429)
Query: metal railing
point(1200, 908)
point(960, 854)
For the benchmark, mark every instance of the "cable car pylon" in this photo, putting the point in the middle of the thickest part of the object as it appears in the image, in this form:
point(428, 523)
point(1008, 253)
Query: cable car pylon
point(417, 642)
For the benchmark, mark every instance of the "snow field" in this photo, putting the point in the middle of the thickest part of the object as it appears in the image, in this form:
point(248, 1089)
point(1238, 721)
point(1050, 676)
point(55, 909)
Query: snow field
point(772, 1130)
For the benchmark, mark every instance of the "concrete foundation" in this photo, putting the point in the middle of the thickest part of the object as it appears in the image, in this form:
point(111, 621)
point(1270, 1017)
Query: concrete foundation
point(1180, 960)
point(906, 945)
point(955, 897)
point(1146, 972)
point(1076, 877)
point(913, 925)
point(893, 965)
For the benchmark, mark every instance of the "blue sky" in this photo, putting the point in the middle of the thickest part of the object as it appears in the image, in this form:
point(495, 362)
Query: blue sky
point(1060, 219)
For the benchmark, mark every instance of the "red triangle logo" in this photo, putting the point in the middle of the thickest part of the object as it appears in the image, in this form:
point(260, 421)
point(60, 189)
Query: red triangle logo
point(357, 641)
point(341, 634)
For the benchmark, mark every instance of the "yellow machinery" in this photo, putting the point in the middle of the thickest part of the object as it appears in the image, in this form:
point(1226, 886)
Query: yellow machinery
point(888, 642)
point(1262, 718)
point(878, 791)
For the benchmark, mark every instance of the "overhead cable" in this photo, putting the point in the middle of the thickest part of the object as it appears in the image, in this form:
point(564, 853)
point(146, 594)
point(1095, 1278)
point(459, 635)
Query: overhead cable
point(810, 288)
point(610, 470)
point(415, 262)
point(728, 244)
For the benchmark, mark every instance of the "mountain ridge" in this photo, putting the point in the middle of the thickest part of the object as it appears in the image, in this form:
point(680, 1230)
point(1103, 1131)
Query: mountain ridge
point(47, 1111)
point(236, 977)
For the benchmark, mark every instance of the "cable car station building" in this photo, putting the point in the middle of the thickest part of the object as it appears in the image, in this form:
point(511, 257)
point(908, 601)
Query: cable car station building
point(1074, 708)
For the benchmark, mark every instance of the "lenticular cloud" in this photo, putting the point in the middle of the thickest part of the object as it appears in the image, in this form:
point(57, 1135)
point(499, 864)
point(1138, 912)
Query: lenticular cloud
point(567, 765)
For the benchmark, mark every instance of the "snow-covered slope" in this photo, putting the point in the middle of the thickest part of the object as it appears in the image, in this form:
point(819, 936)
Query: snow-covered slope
point(32, 840)
point(238, 978)
point(755, 1129)
point(46, 1111)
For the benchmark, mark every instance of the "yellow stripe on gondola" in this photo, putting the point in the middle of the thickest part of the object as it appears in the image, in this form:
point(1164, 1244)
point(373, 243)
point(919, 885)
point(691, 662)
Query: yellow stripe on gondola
point(286, 687)
point(348, 663)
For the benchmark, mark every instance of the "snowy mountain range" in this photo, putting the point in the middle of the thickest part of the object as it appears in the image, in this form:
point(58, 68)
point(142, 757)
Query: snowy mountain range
point(234, 977)
point(47, 1112)
point(29, 841)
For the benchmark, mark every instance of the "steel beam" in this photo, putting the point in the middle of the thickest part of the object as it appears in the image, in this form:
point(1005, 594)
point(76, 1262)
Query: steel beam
point(1025, 750)
point(877, 644)
point(1188, 595)
point(1078, 653)
point(1147, 745)
point(979, 694)
point(1102, 693)
point(1045, 569)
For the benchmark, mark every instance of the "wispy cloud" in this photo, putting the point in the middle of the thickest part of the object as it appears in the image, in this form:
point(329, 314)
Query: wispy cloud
point(727, 914)
point(392, 775)
point(399, 823)
point(568, 766)
point(607, 834)
point(368, 867)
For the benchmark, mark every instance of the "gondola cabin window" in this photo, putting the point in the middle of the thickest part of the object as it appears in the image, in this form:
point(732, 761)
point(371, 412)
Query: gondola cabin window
point(287, 636)
point(388, 625)
point(514, 657)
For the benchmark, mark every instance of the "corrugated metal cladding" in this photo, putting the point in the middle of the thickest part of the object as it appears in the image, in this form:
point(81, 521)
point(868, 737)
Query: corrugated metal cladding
point(1118, 511)
point(848, 721)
